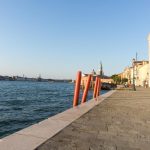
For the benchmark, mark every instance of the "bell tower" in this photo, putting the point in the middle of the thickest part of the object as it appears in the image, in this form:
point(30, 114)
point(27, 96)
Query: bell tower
point(101, 70)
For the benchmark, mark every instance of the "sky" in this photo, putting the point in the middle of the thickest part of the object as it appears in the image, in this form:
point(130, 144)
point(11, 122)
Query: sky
point(56, 38)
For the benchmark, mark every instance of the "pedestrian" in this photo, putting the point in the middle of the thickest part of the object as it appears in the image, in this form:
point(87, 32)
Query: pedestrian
point(146, 84)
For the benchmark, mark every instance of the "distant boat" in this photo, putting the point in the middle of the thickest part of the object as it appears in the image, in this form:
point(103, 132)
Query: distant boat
point(108, 86)
point(73, 81)
point(39, 79)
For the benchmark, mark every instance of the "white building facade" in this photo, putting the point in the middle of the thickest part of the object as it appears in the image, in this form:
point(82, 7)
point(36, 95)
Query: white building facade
point(142, 75)
point(140, 70)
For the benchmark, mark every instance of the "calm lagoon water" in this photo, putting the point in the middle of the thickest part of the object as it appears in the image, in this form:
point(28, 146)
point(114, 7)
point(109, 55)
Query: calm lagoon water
point(25, 103)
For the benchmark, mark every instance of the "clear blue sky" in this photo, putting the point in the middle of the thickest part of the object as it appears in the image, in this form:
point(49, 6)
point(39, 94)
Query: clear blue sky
point(55, 38)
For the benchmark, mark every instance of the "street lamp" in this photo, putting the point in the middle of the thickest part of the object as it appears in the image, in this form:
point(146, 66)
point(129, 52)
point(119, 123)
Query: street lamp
point(133, 65)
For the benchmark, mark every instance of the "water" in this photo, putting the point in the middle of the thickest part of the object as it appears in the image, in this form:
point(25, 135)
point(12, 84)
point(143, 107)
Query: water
point(25, 103)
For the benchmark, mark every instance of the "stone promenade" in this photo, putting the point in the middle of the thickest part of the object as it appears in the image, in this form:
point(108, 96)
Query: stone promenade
point(121, 122)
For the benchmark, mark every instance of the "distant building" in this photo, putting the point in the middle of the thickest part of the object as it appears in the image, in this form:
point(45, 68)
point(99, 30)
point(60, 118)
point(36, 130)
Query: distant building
point(140, 70)
point(2, 78)
point(85, 78)
point(107, 80)
point(141, 73)
point(100, 73)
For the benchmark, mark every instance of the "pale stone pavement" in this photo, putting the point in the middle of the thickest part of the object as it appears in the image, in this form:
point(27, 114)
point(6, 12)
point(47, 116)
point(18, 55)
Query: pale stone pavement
point(121, 122)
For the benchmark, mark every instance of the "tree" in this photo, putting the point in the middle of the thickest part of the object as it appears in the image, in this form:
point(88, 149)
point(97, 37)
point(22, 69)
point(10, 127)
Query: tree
point(116, 78)
point(124, 80)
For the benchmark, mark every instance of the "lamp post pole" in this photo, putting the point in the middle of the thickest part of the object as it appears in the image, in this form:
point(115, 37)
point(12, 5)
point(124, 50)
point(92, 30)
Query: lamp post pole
point(133, 64)
point(149, 55)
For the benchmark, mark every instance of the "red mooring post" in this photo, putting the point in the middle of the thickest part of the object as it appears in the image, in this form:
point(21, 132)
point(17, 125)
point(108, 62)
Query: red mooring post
point(98, 87)
point(77, 89)
point(85, 93)
point(95, 88)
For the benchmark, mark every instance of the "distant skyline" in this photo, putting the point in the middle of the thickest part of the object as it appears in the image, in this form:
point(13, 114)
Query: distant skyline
point(57, 38)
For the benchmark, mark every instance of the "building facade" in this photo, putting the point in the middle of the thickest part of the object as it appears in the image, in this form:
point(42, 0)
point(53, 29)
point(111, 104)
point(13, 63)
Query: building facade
point(100, 74)
point(139, 73)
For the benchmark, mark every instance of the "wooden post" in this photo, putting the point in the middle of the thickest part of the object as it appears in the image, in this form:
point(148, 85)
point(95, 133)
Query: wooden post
point(95, 88)
point(98, 87)
point(85, 93)
point(77, 89)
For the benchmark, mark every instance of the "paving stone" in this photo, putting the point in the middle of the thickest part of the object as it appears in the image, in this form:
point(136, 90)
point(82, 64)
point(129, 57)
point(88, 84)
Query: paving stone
point(121, 122)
